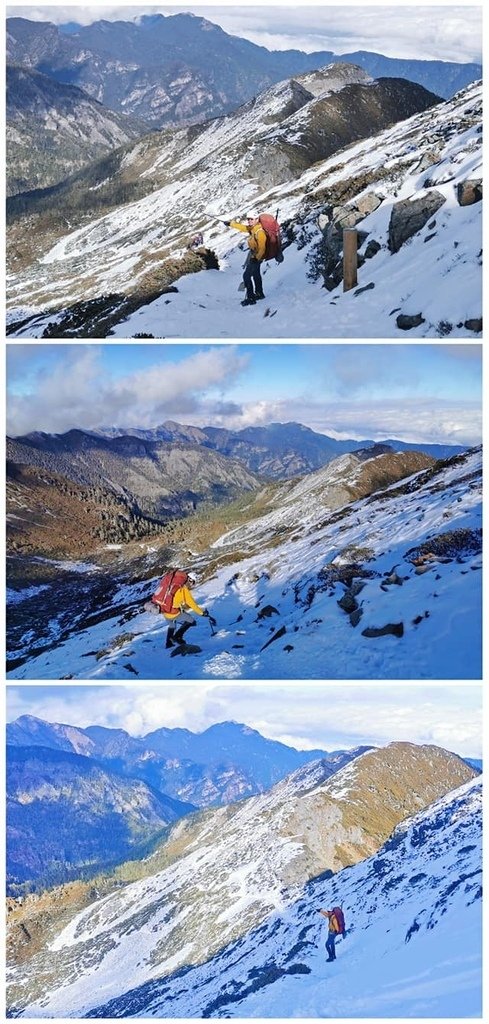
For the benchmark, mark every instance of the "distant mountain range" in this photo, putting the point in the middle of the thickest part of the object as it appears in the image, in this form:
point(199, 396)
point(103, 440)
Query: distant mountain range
point(162, 757)
point(81, 800)
point(278, 450)
point(116, 486)
point(69, 817)
point(182, 68)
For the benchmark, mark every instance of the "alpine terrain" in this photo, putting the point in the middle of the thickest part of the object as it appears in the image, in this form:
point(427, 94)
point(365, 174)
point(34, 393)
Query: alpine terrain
point(76, 129)
point(106, 251)
point(369, 567)
point(222, 918)
point(82, 800)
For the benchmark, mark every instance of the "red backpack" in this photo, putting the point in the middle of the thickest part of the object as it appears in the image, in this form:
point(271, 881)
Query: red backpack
point(271, 227)
point(167, 589)
point(339, 926)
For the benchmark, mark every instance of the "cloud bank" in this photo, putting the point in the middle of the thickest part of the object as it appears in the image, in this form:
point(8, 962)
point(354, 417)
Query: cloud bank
point(372, 395)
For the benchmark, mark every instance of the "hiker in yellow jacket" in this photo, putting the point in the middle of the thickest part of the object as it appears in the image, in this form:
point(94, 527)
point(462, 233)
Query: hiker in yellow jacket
point(179, 618)
point(334, 929)
point(257, 242)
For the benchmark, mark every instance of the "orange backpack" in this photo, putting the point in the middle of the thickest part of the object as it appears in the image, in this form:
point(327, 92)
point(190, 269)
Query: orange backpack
point(271, 227)
point(338, 921)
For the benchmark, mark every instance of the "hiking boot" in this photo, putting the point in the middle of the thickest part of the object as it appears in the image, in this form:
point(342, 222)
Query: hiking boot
point(330, 959)
point(259, 295)
point(180, 632)
point(170, 641)
point(248, 302)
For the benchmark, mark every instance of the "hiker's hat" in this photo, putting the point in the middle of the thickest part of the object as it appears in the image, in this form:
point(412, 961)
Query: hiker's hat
point(252, 216)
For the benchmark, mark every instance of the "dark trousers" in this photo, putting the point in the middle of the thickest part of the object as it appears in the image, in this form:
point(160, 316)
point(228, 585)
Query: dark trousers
point(252, 276)
point(330, 945)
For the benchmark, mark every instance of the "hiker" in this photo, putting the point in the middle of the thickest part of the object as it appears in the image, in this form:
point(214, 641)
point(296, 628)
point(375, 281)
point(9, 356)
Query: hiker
point(196, 241)
point(257, 243)
point(336, 927)
point(175, 601)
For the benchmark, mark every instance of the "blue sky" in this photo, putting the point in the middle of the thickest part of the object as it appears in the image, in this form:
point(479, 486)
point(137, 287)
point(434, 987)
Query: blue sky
point(421, 392)
point(427, 32)
point(305, 716)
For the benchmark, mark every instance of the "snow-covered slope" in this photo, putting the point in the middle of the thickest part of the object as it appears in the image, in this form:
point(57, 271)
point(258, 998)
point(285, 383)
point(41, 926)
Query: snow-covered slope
point(225, 874)
point(435, 275)
point(413, 945)
point(408, 557)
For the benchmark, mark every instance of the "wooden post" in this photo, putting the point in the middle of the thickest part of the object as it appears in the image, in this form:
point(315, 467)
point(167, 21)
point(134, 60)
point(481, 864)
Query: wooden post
point(350, 243)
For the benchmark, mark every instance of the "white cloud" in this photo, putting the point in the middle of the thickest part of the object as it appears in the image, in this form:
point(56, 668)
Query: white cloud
point(315, 715)
point(75, 392)
point(429, 420)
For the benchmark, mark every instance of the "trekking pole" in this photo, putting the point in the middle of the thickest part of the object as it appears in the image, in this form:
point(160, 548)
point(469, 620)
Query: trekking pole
point(212, 623)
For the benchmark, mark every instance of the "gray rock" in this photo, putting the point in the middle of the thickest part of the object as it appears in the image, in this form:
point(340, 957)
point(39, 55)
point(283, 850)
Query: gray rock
point(345, 216)
point(356, 616)
point(474, 325)
point(369, 203)
point(393, 578)
point(372, 249)
point(347, 602)
point(406, 323)
point(469, 192)
point(392, 628)
point(366, 288)
point(276, 636)
point(267, 612)
point(410, 216)
point(431, 157)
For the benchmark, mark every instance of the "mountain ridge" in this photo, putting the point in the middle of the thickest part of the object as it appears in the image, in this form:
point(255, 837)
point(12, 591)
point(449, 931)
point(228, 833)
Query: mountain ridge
point(118, 62)
point(406, 899)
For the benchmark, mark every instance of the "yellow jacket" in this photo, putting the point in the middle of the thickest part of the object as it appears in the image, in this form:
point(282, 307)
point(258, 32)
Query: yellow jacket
point(257, 240)
point(331, 916)
point(181, 602)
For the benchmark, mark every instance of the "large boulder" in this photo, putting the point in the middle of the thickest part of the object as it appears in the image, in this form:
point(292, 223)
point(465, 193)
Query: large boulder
point(410, 215)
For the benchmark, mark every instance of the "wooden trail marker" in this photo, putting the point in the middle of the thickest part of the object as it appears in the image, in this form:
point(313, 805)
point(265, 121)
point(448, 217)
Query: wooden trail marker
point(350, 243)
